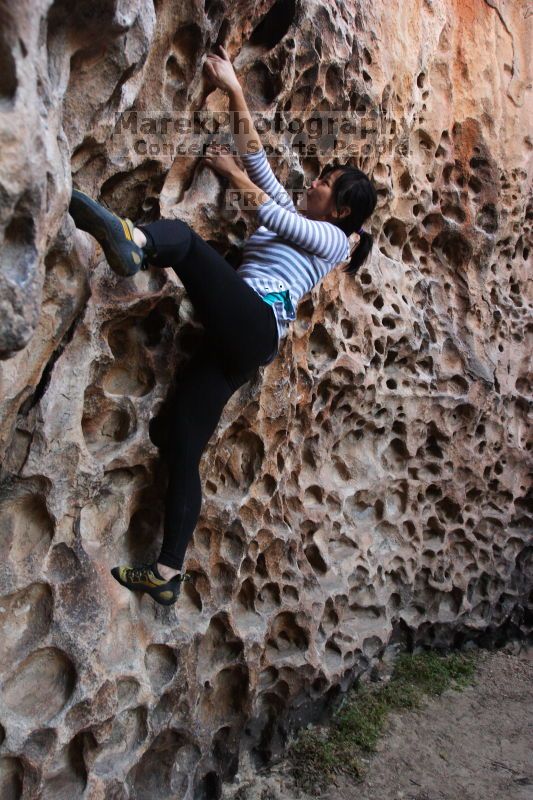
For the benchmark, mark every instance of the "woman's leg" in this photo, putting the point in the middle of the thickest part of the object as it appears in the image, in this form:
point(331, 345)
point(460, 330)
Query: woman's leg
point(241, 334)
point(239, 322)
point(203, 387)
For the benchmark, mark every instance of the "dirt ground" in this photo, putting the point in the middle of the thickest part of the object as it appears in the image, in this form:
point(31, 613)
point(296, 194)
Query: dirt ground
point(474, 744)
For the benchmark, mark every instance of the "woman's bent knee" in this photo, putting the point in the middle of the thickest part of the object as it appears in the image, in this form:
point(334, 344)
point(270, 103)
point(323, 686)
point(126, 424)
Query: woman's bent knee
point(172, 239)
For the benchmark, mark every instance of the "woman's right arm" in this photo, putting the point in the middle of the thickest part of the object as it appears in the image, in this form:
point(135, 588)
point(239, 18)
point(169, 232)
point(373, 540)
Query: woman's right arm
point(221, 73)
point(253, 153)
point(247, 141)
point(244, 133)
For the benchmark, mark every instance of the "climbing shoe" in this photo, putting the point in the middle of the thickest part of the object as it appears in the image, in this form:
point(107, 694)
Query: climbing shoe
point(113, 233)
point(146, 578)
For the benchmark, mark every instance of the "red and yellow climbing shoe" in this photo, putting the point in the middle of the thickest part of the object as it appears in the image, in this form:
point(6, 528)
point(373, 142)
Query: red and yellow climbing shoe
point(146, 578)
point(114, 234)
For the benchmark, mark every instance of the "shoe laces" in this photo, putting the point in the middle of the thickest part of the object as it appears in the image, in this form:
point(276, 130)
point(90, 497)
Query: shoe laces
point(139, 572)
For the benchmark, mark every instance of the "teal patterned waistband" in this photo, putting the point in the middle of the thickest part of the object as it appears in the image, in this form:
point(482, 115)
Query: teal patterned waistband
point(284, 297)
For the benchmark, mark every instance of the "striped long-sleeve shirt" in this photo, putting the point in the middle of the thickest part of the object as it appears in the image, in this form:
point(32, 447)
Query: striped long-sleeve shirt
point(287, 252)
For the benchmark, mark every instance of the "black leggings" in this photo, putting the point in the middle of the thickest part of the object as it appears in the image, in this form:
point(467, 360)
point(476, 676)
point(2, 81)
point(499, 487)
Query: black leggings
point(240, 335)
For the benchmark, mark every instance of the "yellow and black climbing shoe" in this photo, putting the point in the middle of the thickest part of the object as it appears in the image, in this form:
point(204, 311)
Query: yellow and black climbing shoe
point(146, 578)
point(114, 234)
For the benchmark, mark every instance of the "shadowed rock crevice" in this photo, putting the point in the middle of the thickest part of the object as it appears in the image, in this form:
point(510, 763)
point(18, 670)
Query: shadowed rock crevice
point(274, 25)
point(8, 73)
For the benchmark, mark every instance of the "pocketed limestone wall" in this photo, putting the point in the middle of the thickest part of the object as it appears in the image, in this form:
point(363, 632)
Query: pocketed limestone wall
point(371, 488)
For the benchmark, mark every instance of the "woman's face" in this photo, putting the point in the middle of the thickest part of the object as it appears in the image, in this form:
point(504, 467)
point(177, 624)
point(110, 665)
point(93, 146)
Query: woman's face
point(317, 202)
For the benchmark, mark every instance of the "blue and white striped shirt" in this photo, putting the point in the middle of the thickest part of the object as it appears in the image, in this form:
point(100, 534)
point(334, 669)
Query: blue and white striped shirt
point(288, 252)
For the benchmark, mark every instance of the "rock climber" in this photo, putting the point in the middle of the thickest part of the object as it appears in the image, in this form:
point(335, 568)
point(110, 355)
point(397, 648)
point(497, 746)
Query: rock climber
point(246, 312)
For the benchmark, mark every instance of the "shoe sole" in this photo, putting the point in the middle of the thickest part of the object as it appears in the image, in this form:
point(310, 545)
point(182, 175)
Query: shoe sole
point(91, 217)
point(152, 592)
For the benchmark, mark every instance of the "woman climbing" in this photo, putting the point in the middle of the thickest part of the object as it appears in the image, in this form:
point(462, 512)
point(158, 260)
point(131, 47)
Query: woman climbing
point(245, 312)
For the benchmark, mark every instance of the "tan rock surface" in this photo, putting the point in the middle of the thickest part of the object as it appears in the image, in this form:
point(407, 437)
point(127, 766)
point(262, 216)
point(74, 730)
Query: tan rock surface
point(371, 486)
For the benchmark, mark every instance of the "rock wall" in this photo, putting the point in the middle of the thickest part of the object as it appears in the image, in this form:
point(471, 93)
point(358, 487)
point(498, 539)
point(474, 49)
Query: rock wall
point(370, 488)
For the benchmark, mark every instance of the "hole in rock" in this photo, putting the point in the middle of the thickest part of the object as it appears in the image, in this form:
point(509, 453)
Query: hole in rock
point(224, 577)
point(395, 231)
point(454, 212)
point(174, 72)
point(88, 57)
point(125, 192)
point(274, 25)
point(232, 546)
point(262, 84)
point(19, 252)
point(287, 636)
point(127, 691)
point(487, 218)
point(321, 344)
point(11, 776)
point(405, 181)
point(455, 248)
point(187, 42)
point(141, 540)
point(88, 154)
point(269, 597)
point(209, 788)
point(213, 8)
point(25, 619)
point(246, 457)
point(52, 671)
point(104, 423)
point(267, 728)
point(39, 744)
point(26, 526)
point(71, 779)
point(333, 80)
point(314, 494)
point(219, 645)
point(131, 372)
point(424, 141)
point(229, 695)
point(226, 751)
point(314, 556)
point(161, 664)
point(474, 183)
point(8, 67)
point(164, 768)
point(246, 596)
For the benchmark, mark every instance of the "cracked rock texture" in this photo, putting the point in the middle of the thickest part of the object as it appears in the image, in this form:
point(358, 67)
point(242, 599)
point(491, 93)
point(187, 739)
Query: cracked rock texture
point(370, 488)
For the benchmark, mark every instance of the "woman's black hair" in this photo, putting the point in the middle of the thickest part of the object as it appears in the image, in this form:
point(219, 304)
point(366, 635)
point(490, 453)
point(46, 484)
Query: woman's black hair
point(354, 189)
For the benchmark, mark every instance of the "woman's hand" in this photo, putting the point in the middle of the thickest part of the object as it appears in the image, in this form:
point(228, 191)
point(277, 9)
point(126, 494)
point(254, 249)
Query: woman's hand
point(221, 160)
point(220, 71)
